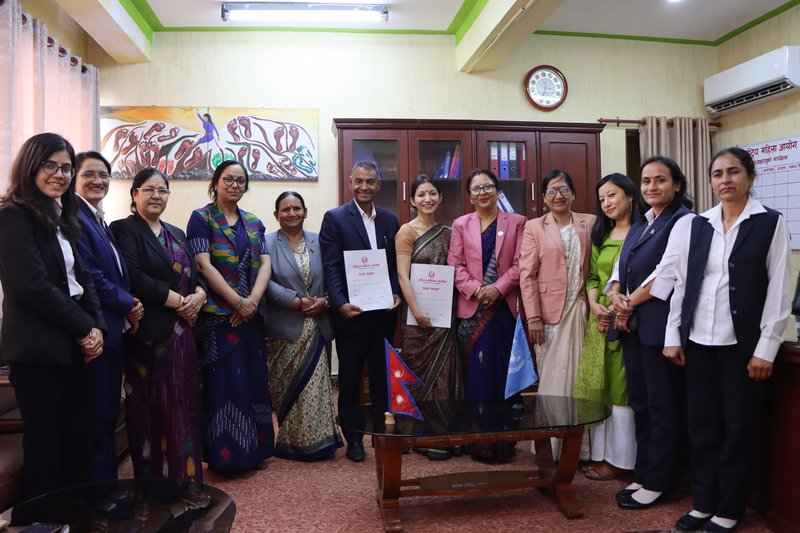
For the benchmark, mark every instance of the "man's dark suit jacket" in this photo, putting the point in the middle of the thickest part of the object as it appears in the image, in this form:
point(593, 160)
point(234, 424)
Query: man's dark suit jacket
point(41, 322)
point(151, 273)
point(343, 229)
point(111, 285)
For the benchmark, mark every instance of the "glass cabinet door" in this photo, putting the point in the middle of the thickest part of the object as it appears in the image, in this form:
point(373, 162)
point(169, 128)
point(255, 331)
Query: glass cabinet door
point(388, 150)
point(512, 158)
point(446, 157)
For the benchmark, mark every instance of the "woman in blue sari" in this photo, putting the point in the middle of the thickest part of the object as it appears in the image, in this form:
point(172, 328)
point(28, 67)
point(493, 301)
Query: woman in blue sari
point(231, 254)
point(484, 249)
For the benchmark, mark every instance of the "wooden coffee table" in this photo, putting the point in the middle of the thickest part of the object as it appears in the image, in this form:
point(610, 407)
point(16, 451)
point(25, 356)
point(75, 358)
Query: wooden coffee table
point(457, 423)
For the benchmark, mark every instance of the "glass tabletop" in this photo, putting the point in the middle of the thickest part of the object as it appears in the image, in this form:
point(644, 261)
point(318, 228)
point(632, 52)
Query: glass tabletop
point(454, 417)
point(129, 505)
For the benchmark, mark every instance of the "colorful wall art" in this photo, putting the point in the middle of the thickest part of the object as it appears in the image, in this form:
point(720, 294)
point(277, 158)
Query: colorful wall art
point(189, 142)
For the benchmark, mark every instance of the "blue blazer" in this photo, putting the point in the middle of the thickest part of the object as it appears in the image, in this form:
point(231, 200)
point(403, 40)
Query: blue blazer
point(111, 285)
point(640, 255)
point(286, 283)
point(342, 229)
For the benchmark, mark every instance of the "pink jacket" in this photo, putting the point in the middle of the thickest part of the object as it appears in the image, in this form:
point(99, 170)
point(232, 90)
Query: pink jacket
point(543, 268)
point(466, 256)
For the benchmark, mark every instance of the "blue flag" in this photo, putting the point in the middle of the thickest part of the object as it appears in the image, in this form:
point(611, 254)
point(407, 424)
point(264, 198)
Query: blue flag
point(503, 203)
point(521, 373)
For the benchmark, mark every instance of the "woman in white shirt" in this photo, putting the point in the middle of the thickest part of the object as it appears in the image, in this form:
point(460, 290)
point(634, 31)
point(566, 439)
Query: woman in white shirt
point(727, 315)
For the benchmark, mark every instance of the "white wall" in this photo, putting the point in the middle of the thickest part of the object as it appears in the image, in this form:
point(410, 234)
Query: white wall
point(394, 76)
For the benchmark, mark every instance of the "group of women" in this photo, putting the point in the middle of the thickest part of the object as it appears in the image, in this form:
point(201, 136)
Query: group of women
point(193, 355)
point(658, 284)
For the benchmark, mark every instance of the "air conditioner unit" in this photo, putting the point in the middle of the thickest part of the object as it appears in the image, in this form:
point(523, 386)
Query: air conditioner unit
point(766, 77)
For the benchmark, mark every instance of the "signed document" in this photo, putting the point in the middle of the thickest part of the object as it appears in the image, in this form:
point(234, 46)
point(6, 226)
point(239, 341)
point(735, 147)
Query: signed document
point(433, 289)
point(367, 275)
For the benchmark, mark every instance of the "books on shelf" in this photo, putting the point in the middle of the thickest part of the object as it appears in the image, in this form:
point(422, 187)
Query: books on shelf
point(450, 166)
point(494, 158)
point(503, 161)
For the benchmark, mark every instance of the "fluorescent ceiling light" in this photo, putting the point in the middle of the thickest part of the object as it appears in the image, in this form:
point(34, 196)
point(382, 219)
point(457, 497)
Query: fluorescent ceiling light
point(281, 12)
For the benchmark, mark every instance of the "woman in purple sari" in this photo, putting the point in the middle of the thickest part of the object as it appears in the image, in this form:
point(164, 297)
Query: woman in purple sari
point(161, 378)
point(484, 249)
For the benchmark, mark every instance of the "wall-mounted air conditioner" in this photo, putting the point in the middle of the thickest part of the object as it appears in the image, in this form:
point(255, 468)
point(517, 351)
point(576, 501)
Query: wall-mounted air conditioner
point(766, 77)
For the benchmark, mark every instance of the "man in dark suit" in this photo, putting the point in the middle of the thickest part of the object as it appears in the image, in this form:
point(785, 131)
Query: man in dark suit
point(105, 264)
point(359, 225)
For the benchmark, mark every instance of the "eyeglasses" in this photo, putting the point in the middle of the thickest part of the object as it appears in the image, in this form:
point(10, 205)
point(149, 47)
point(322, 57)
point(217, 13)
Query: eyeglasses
point(227, 180)
point(489, 188)
point(90, 175)
point(552, 191)
point(51, 167)
point(150, 191)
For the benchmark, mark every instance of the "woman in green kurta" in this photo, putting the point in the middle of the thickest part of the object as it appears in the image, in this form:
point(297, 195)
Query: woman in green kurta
point(601, 370)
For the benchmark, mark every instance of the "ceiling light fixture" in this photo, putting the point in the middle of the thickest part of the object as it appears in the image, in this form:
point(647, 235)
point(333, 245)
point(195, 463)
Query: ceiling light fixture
point(307, 12)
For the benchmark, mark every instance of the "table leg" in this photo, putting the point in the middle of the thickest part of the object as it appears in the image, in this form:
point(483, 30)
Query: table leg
point(388, 469)
point(565, 472)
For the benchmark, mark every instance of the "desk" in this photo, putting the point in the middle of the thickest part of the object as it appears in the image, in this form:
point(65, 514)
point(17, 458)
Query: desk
point(454, 423)
point(127, 505)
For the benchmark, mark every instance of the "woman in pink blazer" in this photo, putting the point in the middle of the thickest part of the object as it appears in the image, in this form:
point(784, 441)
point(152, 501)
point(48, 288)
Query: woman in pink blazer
point(554, 264)
point(484, 249)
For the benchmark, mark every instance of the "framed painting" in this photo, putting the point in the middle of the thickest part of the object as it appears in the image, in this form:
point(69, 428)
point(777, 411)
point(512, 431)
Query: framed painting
point(189, 142)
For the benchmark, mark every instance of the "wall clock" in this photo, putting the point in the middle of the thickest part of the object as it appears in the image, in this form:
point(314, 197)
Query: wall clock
point(545, 87)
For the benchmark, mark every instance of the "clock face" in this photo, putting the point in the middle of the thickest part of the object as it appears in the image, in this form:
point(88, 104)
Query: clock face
point(545, 87)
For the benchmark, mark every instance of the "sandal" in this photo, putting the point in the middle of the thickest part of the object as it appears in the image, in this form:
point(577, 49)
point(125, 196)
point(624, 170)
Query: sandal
point(601, 471)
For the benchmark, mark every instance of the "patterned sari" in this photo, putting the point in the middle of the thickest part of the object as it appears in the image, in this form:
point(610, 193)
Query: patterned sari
point(163, 394)
point(236, 403)
point(486, 339)
point(301, 387)
point(433, 354)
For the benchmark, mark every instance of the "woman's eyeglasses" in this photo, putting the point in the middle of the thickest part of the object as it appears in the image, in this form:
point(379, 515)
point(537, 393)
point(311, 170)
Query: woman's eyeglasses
point(488, 188)
point(552, 191)
point(51, 167)
point(150, 191)
point(227, 180)
point(91, 174)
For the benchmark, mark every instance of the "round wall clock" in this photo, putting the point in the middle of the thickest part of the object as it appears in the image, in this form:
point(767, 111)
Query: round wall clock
point(545, 87)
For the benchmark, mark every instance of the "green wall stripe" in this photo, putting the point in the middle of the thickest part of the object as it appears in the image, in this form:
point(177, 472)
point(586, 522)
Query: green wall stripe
point(766, 16)
point(461, 16)
point(143, 6)
point(132, 10)
point(470, 16)
point(301, 30)
point(624, 37)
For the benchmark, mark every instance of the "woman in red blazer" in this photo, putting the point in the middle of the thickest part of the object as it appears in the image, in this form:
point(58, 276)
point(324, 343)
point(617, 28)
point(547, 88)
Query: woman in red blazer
point(484, 249)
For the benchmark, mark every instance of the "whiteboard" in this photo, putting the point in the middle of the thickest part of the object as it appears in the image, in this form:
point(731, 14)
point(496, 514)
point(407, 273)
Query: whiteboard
point(777, 182)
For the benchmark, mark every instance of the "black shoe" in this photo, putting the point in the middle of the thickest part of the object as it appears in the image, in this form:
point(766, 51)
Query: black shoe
point(691, 523)
point(355, 452)
point(261, 466)
point(624, 493)
point(456, 451)
point(434, 454)
point(716, 528)
point(627, 502)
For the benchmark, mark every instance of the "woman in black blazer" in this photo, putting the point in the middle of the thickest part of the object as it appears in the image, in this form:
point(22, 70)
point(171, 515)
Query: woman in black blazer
point(51, 316)
point(163, 413)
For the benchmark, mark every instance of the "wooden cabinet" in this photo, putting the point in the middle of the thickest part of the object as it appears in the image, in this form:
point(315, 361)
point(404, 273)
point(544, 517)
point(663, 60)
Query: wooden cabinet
point(519, 153)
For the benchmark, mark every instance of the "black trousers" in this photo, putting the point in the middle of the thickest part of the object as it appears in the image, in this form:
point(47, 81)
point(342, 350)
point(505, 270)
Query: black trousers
point(56, 437)
point(353, 347)
point(105, 376)
point(656, 393)
point(724, 407)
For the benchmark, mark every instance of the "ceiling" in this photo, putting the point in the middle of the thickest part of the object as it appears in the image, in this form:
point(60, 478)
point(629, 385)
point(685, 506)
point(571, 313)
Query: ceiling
point(688, 20)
